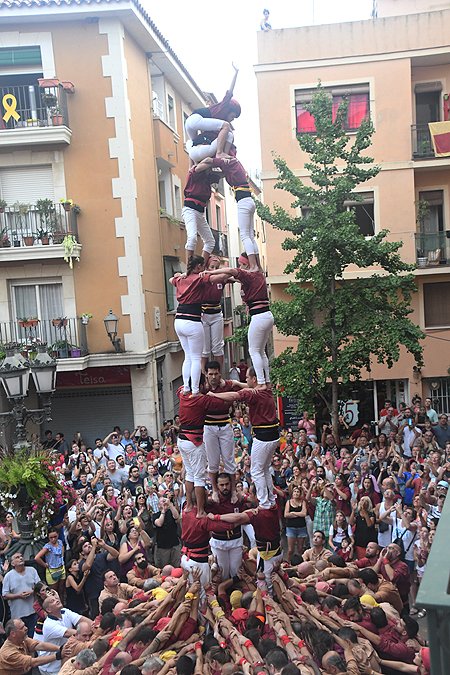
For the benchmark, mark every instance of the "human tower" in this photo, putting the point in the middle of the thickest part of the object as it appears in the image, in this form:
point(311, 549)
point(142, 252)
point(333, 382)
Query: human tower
point(206, 437)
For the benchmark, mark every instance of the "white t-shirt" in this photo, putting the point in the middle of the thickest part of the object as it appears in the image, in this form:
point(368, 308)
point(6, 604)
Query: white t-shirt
point(53, 631)
point(407, 536)
point(340, 533)
point(115, 450)
point(14, 582)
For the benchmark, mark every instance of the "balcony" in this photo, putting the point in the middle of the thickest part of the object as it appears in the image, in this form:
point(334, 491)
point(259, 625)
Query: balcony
point(221, 244)
point(422, 145)
point(65, 338)
point(36, 231)
point(33, 115)
point(165, 142)
point(433, 250)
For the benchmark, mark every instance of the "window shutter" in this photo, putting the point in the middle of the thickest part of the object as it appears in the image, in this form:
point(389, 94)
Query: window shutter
point(26, 184)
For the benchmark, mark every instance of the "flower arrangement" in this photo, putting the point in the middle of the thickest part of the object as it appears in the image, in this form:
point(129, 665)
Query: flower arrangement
point(67, 203)
point(85, 316)
point(31, 487)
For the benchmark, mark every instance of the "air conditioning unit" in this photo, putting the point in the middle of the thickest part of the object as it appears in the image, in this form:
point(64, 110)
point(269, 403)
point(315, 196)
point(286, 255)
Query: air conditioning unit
point(156, 317)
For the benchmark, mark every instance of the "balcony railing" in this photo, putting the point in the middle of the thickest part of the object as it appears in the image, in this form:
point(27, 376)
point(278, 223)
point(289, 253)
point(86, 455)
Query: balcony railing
point(31, 224)
point(433, 249)
point(32, 106)
point(422, 146)
point(221, 243)
point(65, 338)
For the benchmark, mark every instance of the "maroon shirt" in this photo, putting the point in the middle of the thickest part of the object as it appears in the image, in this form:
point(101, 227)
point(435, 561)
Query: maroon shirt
point(197, 191)
point(220, 416)
point(193, 289)
point(261, 405)
point(225, 506)
point(197, 531)
point(220, 110)
point(266, 524)
point(254, 286)
point(215, 293)
point(401, 578)
point(193, 411)
point(234, 172)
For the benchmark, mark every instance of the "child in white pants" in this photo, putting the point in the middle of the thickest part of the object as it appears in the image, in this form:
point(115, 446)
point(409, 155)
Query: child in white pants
point(261, 326)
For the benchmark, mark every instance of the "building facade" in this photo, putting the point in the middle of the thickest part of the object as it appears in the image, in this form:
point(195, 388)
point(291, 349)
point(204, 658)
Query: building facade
point(395, 68)
point(93, 103)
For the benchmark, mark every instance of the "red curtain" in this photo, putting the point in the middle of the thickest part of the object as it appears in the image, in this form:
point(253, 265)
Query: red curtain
point(305, 121)
point(358, 110)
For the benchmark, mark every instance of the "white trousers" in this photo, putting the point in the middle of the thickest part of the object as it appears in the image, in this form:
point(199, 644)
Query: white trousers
point(250, 532)
point(219, 443)
point(205, 578)
point(245, 211)
point(192, 339)
point(196, 123)
point(229, 556)
point(196, 224)
point(213, 329)
point(194, 461)
point(269, 566)
point(261, 325)
point(262, 454)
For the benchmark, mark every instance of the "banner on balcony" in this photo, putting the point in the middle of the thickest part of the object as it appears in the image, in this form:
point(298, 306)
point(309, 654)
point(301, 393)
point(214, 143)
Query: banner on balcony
point(440, 135)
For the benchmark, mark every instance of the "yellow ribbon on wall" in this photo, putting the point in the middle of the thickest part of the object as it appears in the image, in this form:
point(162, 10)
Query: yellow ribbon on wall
point(9, 103)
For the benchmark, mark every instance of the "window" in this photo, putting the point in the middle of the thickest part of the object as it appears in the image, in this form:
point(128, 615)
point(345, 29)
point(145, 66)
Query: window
point(218, 218)
point(436, 304)
point(157, 106)
point(171, 111)
point(440, 396)
point(364, 214)
point(171, 266)
point(357, 97)
point(433, 221)
point(165, 188)
point(20, 56)
point(43, 301)
point(185, 136)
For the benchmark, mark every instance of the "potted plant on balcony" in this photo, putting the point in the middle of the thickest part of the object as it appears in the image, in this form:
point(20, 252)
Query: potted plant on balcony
point(43, 236)
point(67, 203)
point(423, 209)
point(4, 239)
point(28, 322)
point(61, 347)
point(85, 318)
point(69, 244)
point(49, 99)
point(60, 322)
point(28, 239)
point(75, 352)
point(20, 214)
point(57, 118)
point(3, 205)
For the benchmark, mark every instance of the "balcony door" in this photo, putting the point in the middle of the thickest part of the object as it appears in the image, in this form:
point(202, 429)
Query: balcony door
point(433, 222)
point(428, 106)
point(40, 300)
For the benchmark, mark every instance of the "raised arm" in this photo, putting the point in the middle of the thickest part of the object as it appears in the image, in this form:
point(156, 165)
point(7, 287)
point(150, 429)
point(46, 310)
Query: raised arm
point(233, 81)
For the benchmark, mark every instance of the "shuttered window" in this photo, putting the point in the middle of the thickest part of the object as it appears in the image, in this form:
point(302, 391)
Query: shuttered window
point(26, 184)
point(437, 305)
point(20, 56)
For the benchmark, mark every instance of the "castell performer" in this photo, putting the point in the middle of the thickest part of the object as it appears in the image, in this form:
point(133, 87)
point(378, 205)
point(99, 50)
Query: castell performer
point(265, 424)
point(237, 179)
point(218, 433)
point(255, 295)
point(197, 193)
point(212, 318)
point(212, 124)
point(192, 290)
point(192, 413)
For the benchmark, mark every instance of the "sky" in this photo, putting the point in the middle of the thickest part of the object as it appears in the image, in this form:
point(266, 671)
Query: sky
point(208, 36)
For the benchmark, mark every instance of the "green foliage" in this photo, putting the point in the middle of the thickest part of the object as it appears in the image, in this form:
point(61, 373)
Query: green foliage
point(342, 325)
point(26, 468)
point(240, 334)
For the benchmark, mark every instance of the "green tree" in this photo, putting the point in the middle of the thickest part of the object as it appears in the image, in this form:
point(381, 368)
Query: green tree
point(341, 325)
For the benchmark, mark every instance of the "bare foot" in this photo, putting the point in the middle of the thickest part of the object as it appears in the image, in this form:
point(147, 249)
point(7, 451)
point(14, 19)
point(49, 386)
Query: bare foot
point(188, 508)
point(234, 497)
point(201, 514)
point(253, 269)
point(215, 496)
point(223, 155)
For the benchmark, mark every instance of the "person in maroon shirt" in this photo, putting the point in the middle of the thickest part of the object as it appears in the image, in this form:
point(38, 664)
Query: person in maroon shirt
point(218, 433)
point(212, 318)
point(236, 177)
point(196, 532)
point(192, 413)
point(197, 193)
point(227, 546)
point(265, 424)
point(393, 569)
point(193, 290)
point(255, 295)
point(214, 125)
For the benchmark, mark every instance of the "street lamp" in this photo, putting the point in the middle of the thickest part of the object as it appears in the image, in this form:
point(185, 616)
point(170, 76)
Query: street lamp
point(111, 322)
point(14, 375)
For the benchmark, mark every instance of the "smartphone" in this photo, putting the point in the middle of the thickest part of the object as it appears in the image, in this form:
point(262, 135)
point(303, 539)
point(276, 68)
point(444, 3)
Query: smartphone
point(410, 421)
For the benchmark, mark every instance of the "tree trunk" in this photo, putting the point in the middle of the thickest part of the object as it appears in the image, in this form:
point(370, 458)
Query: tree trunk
point(335, 408)
point(334, 379)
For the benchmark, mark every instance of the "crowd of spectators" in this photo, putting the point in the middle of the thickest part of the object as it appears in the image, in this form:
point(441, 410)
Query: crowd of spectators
point(357, 512)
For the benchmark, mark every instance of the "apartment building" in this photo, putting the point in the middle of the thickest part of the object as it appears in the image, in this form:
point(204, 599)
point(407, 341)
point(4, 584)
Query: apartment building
point(92, 168)
point(395, 68)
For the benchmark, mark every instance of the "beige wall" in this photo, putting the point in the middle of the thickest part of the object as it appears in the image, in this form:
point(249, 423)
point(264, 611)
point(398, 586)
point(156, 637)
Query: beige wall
point(362, 52)
point(395, 7)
